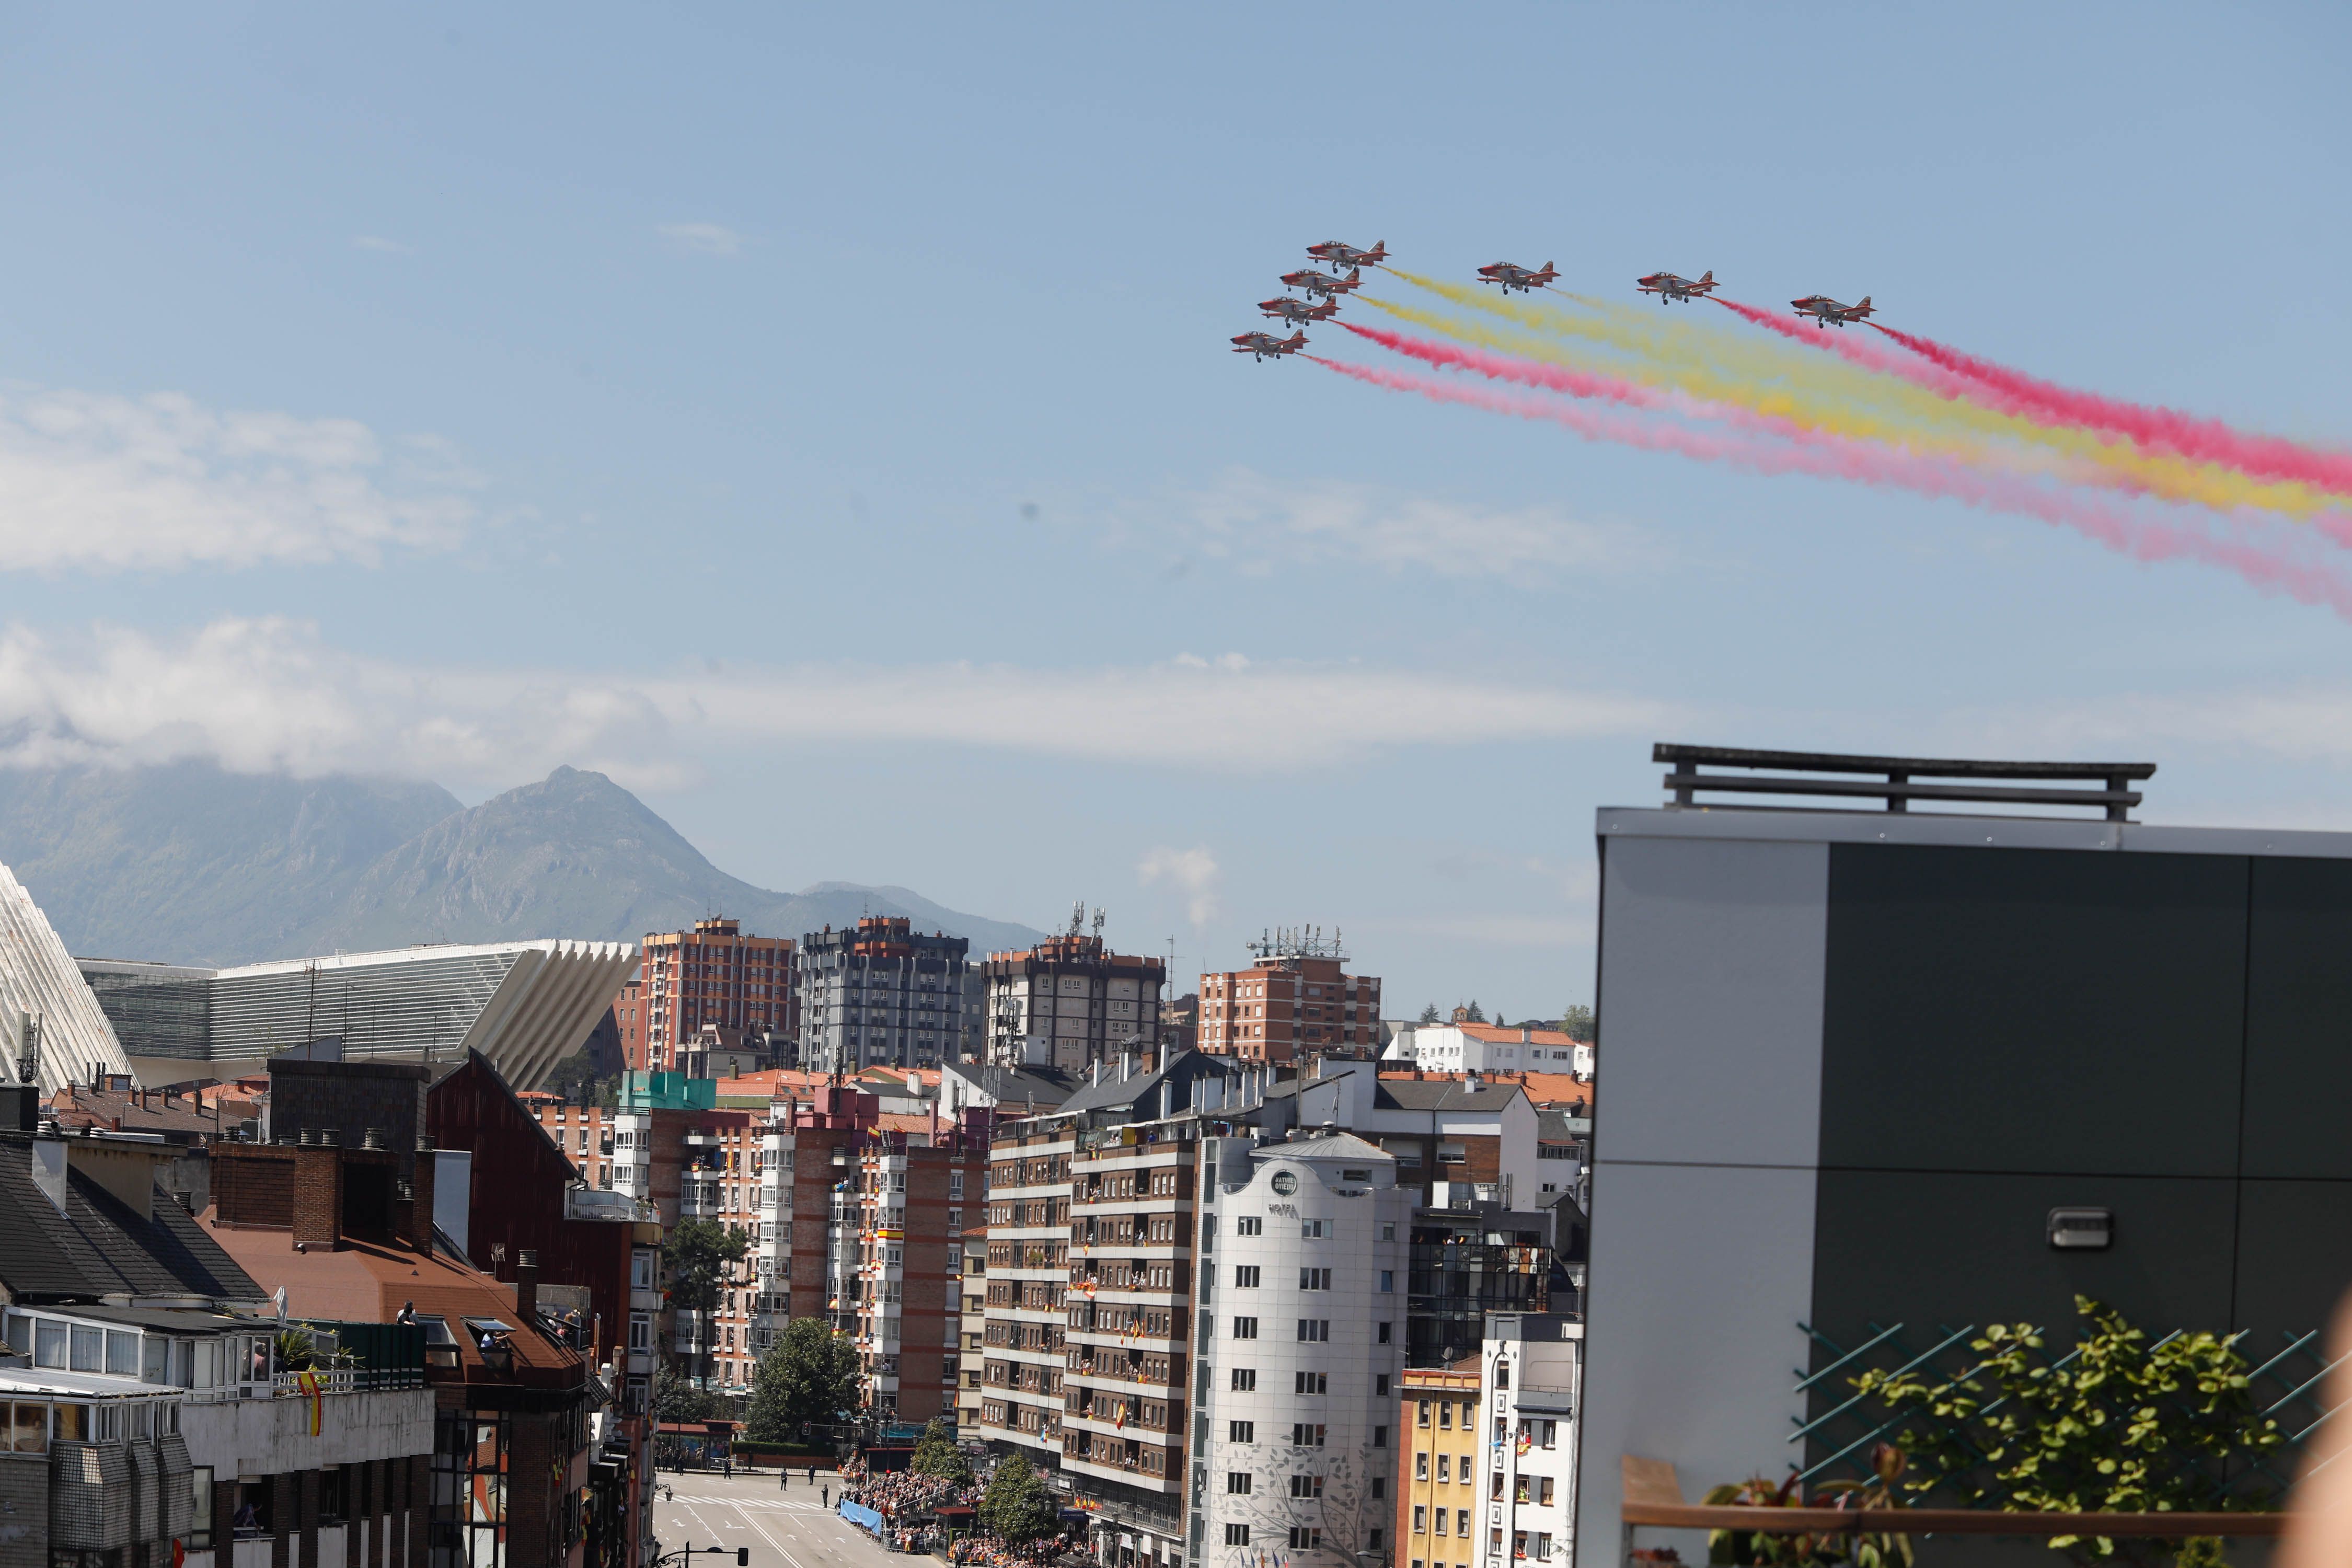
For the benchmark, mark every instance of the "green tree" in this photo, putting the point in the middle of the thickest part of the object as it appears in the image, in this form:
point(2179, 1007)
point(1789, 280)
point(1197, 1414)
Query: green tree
point(2119, 1424)
point(677, 1399)
point(697, 1260)
point(936, 1453)
point(1429, 1015)
point(1471, 1015)
point(1016, 1507)
point(1577, 1022)
point(809, 1373)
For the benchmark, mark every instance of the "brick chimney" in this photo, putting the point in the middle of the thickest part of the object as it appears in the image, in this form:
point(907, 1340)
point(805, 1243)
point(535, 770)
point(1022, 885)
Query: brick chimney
point(317, 1193)
point(527, 1287)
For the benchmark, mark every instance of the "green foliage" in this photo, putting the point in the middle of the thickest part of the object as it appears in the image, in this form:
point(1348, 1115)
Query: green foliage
point(1577, 1022)
point(1429, 1015)
point(2119, 1424)
point(696, 1258)
point(677, 1399)
point(1864, 1549)
point(294, 1349)
point(809, 1373)
point(936, 1453)
point(1016, 1507)
point(1471, 1015)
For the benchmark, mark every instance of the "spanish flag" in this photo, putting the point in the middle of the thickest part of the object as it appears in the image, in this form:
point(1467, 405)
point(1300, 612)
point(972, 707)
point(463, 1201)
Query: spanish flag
point(309, 1382)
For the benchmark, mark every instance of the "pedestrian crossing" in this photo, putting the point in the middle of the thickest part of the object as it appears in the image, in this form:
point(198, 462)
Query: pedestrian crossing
point(773, 1504)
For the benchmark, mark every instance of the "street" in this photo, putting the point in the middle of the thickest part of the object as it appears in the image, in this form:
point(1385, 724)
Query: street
point(784, 1529)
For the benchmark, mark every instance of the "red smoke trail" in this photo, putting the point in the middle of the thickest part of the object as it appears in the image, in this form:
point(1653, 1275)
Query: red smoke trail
point(2163, 430)
point(1835, 342)
point(1530, 373)
point(1841, 458)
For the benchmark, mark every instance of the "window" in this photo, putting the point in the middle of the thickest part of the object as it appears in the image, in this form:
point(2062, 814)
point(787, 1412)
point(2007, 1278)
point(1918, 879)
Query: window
point(1308, 1383)
point(1494, 1488)
point(1245, 1277)
point(1543, 1546)
point(1380, 1436)
point(1246, 1328)
point(1441, 1521)
point(1380, 1488)
point(1543, 1491)
point(1502, 1374)
point(1237, 1483)
point(48, 1342)
point(1519, 1543)
point(1355, 1175)
point(1306, 1435)
point(88, 1349)
point(1421, 1417)
point(1387, 1280)
point(1307, 1485)
point(1445, 1468)
point(1419, 1523)
point(1445, 1413)
point(1244, 1380)
point(1314, 1328)
point(1310, 1227)
point(1315, 1279)
point(1303, 1539)
point(1380, 1383)
point(1388, 1233)
point(1241, 1431)
point(1378, 1534)
point(1380, 1334)
point(1548, 1433)
point(1420, 1465)
point(1237, 1535)
point(1251, 1224)
point(200, 1527)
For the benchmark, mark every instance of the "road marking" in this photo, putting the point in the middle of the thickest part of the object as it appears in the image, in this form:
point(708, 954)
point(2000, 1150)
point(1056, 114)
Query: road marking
point(771, 1540)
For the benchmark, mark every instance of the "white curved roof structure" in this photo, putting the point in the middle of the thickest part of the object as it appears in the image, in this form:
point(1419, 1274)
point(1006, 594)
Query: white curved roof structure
point(525, 1005)
point(42, 997)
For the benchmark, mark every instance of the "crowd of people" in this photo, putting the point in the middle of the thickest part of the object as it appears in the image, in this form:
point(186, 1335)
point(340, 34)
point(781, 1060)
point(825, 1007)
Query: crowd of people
point(894, 1494)
point(987, 1551)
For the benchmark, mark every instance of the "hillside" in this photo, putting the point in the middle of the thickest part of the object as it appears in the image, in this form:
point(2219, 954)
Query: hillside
point(194, 865)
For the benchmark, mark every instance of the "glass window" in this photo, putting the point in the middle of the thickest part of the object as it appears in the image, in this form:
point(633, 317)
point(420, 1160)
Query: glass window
point(207, 1367)
point(200, 1487)
point(17, 1329)
point(48, 1342)
point(30, 1430)
point(155, 1360)
point(122, 1352)
point(88, 1349)
point(72, 1423)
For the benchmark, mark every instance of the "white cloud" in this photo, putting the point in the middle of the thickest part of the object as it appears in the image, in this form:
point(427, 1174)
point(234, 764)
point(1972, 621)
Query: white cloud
point(270, 694)
point(159, 482)
point(1193, 872)
point(703, 238)
point(377, 242)
point(1261, 522)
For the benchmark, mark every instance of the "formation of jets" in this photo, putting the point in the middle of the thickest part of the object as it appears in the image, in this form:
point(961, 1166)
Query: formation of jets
point(1826, 311)
point(1669, 288)
point(1519, 277)
point(1322, 302)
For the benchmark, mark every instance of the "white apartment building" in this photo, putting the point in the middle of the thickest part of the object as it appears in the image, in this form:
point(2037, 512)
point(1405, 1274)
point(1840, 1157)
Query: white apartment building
point(884, 994)
point(1530, 1368)
point(771, 1235)
point(1488, 1047)
point(1070, 1002)
point(1303, 1253)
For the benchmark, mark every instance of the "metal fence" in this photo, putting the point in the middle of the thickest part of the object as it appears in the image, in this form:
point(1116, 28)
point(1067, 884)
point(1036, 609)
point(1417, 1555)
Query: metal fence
point(1841, 1427)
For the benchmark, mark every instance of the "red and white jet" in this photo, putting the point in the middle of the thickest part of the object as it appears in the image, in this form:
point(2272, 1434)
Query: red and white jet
point(1667, 287)
point(1265, 345)
point(1298, 311)
point(1826, 311)
point(1322, 283)
point(1519, 277)
point(1340, 254)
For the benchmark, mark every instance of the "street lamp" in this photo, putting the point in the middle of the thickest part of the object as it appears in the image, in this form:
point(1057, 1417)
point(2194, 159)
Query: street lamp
point(742, 1555)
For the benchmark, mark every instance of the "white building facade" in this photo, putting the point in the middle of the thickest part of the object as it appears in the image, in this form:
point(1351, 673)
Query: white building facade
point(1488, 1047)
point(1301, 1341)
point(1531, 1367)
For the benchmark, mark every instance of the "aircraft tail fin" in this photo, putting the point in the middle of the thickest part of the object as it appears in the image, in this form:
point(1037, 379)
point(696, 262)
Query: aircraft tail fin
point(1865, 303)
point(1707, 276)
point(1355, 275)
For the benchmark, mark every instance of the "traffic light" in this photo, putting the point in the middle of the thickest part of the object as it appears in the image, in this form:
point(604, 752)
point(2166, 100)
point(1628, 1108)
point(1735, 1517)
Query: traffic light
point(742, 1557)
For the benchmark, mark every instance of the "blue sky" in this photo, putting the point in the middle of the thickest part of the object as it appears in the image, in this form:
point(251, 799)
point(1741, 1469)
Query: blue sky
point(819, 418)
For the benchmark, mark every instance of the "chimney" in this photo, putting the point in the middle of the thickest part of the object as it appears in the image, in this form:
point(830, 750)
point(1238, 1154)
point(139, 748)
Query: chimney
point(420, 1193)
point(1527, 1034)
point(526, 1284)
point(317, 1193)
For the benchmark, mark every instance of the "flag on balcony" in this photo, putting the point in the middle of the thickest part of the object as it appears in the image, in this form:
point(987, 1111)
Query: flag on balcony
point(310, 1386)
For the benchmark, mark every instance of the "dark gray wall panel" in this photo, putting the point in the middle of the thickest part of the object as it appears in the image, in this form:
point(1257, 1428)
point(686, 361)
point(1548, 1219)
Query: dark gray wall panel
point(2033, 1010)
point(2298, 1116)
point(1927, 1248)
point(2295, 1257)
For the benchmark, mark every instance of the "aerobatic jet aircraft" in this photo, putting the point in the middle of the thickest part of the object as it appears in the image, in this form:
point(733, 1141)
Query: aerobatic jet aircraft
point(1825, 310)
point(1340, 254)
point(1322, 283)
point(1298, 311)
point(1265, 345)
point(1519, 277)
point(1667, 287)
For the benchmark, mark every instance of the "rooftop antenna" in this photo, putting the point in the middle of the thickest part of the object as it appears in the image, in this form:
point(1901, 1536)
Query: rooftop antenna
point(1098, 923)
point(1077, 918)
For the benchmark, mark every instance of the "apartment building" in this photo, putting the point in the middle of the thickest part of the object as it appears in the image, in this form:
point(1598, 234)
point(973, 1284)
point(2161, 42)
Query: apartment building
point(1439, 1502)
point(1452, 1137)
point(1530, 1367)
point(1293, 1002)
point(1028, 1274)
point(1070, 1002)
point(1130, 1328)
point(882, 993)
point(713, 977)
point(583, 1133)
point(1304, 1249)
point(972, 1329)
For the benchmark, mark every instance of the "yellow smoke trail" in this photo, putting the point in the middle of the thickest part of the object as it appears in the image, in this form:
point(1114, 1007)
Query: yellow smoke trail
point(1835, 396)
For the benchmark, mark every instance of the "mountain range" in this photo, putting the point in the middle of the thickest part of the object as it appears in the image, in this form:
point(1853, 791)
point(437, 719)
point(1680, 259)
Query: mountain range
point(189, 863)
